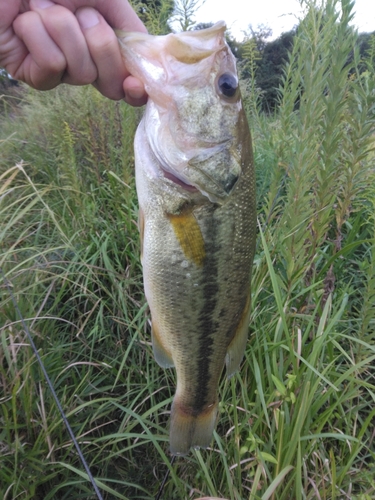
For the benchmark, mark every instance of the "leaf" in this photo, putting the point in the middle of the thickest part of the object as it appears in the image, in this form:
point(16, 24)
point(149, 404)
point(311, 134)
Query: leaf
point(276, 482)
point(279, 385)
point(267, 457)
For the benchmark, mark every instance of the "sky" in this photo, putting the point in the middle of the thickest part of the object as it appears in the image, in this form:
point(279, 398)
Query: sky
point(279, 15)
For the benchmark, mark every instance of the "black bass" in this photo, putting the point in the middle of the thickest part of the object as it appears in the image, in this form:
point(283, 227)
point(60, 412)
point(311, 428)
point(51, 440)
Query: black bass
point(196, 191)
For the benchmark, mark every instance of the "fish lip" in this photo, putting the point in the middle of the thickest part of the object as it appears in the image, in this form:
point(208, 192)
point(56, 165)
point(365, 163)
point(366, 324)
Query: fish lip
point(208, 151)
point(191, 188)
point(176, 180)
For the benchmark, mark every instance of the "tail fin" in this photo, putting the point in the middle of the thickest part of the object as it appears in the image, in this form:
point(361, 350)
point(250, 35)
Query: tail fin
point(189, 430)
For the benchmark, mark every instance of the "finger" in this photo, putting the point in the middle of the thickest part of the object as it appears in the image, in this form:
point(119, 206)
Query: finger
point(43, 63)
point(135, 93)
point(63, 27)
point(9, 11)
point(12, 49)
point(102, 43)
point(121, 15)
point(118, 13)
point(105, 52)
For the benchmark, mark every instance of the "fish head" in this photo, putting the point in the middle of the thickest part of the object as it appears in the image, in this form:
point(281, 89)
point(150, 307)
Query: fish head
point(193, 116)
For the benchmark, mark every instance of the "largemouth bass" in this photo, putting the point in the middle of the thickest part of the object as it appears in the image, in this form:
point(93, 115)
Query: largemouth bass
point(196, 191)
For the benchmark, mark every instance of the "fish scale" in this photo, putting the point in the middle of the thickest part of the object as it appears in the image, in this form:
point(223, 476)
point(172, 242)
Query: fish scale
point(196, 191)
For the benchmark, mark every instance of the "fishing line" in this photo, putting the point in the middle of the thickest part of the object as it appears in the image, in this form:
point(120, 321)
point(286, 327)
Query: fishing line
point(158, 496)
point(65, 420)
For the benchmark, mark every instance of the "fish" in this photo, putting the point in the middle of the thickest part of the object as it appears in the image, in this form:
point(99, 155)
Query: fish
point(195, 184)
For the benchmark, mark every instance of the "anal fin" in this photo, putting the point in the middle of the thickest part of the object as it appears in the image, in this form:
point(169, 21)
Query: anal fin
point(237, 347)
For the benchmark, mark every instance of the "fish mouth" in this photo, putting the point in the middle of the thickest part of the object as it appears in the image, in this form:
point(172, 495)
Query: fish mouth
point(213, 189)
point(178, 181)
point(201, 172)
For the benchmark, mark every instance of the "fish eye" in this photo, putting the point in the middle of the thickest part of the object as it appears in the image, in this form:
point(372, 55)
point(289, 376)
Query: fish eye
point(227, 84)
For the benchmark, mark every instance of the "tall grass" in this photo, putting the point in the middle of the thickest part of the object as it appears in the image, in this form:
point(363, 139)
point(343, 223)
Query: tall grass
point(297, 422)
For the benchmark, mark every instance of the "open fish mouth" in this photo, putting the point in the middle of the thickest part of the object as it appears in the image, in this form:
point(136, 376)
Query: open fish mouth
point(178, 181)
point(214, 172)
point(215, 193)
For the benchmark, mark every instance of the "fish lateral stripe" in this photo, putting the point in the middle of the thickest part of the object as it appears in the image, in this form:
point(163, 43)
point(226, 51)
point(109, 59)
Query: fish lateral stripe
point(189, 236)
point(209, 324)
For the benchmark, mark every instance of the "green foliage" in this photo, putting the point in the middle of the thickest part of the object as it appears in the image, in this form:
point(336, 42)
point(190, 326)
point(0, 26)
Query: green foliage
point(297, 421)
point(271, 57)
point(317, 219)
point(160, 16)
point(247, 70)
point(9, 95)
point(155, 14)
point(184, 13)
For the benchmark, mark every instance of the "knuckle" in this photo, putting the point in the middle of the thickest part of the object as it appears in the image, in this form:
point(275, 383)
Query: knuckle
point(105, 44)
point(24, 21)
point(57, 17)
point(54, 64)
point(41, 80)
point(86, 77)
point(109, 91)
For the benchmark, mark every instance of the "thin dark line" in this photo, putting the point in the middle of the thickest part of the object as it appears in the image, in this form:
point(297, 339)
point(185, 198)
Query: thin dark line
point(158, 496)
point(65, 420)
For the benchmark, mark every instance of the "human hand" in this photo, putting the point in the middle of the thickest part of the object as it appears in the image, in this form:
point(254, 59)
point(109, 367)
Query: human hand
point(45, 43)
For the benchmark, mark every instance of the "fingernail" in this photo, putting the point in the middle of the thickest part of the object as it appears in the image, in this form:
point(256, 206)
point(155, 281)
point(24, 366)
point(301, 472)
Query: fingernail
point(42, 4)
point(87, 18)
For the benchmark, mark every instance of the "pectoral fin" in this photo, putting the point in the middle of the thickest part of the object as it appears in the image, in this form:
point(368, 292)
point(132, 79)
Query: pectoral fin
point(237, 347)
point(163, 357)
